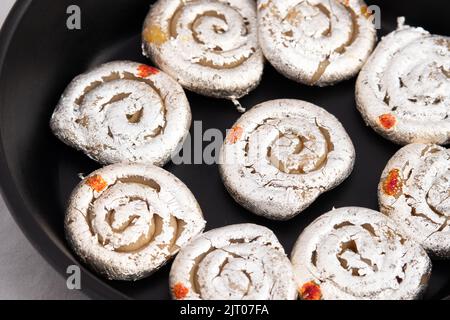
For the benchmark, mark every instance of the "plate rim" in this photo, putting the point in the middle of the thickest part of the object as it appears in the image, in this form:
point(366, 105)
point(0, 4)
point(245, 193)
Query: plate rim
point(92, 286)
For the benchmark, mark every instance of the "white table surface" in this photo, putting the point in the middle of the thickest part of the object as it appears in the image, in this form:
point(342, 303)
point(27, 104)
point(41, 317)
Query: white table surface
point(24, 274)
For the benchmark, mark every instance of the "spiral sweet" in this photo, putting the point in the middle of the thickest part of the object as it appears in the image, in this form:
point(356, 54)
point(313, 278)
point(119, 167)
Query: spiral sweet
point(123, 111)
point(282, 154)
point(414, 191)
point(403, 92)
point(356, 253)
point(238, 262)
point(127, 220)
point(316, 42)
point(209, 46)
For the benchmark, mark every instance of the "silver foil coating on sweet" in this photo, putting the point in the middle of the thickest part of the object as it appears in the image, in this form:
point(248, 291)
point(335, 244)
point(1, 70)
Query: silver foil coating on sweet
point(123, 111)
point(414, 191)
point(209, 46)
point(237, 262)
point(127, 220)
point(403, 91)
point(357, 253)
point(282, 154)
point(316, 42)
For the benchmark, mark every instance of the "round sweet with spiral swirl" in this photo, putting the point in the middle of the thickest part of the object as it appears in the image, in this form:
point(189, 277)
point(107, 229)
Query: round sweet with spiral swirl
point(414, 191)
point(282, 154)
point(357, 253)
point(316, 42)
point(403, 92)
point(127, 220)
point(209, 46)
point(123, 112)
point(237, 262)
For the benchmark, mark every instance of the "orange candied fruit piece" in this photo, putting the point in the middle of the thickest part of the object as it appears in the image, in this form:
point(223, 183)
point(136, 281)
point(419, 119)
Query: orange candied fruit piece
point(310, 291)
point(144, 71)
point(345, 2)
point(393, 183)
point(97, 183)
point(387, 120)
point(180, 291)
point(235, 134)
point(154, 34)
point(365, 11)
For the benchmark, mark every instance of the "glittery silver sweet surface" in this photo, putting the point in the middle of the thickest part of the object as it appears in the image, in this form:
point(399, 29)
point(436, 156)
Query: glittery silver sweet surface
point(316, 42)
point(237, 262)
point(403, 91)
point(209, 46)
point(127, 220)
point(414, 191)
point(282, 154)
point(357, 253)
point(123, 111)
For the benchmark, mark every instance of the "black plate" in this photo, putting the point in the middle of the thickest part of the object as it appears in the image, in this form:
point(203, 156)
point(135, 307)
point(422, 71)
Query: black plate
point(39, 56)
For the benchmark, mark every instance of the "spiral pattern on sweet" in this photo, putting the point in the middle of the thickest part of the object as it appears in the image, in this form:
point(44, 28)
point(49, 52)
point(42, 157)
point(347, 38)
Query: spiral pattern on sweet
point(403, 91)
point(357, 253)
point(123, 111)
point(415, 192)
point(209, 46)
point(127, 220)
point(281, 155)
point(316, 42)
point(238, 262)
